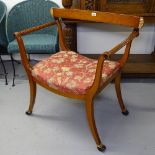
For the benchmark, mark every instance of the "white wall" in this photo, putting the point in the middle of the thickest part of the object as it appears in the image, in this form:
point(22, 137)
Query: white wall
point(97, 38)
point(92, 39)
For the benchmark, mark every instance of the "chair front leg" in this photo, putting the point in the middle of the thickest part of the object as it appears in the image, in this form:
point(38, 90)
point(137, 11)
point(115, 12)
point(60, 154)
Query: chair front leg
point(119, 95)
point(32, 96)
point(92, 125)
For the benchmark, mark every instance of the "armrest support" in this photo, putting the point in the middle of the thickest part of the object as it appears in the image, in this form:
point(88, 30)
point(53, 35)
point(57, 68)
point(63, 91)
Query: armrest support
point(127, 42)
point(98, 75)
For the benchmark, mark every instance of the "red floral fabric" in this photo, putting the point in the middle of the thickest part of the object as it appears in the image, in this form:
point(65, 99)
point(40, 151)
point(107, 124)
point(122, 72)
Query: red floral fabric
point(71, 72)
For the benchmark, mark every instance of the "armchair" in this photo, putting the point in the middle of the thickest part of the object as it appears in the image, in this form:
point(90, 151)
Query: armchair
point(75, 76)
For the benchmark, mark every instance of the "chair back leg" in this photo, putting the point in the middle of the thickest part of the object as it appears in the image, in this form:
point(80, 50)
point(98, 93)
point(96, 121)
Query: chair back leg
point(119, 94)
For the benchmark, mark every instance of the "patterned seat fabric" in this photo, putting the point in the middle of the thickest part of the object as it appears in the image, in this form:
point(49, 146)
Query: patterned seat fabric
point(70, 72)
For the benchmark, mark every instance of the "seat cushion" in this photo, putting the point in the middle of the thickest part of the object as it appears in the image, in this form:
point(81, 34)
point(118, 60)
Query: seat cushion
point(70, 72)
point(36, 43)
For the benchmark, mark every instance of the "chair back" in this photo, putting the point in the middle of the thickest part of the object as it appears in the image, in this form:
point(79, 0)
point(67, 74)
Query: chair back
point(76, 15)
point(3, 9)
point(96, 16)
point(28, 14)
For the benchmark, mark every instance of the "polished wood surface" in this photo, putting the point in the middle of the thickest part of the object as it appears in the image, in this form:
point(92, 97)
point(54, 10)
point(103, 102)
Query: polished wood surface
point(96, 16)
point(145, 8)
point(96, 87)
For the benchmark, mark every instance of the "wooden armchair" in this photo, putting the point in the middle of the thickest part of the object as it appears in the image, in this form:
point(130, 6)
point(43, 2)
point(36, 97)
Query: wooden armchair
point(72, 75)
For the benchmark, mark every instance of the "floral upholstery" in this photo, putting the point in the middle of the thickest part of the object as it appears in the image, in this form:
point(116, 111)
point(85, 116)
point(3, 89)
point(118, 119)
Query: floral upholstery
point(71, 72)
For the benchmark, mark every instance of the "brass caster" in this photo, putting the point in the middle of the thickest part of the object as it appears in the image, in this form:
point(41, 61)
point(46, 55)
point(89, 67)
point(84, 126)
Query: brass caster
point(101, 147)
point(126, 113)
point(28, 113)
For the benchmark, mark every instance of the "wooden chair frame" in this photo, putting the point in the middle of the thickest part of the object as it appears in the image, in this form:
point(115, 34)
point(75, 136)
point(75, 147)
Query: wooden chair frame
point(73, 14)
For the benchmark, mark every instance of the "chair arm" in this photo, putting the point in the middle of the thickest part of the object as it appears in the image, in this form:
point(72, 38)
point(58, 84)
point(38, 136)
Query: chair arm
point(103, 56)
point(18, 36)
point(35, 28)
point(132, 35)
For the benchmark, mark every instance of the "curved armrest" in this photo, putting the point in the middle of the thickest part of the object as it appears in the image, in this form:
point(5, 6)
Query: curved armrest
point(127, 42)
point(18, 36)
point(98, 75)
point(35, 28)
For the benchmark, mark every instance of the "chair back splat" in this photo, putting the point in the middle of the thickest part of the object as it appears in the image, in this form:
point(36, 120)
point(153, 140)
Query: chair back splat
point(73, 75)
point(96, 16)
